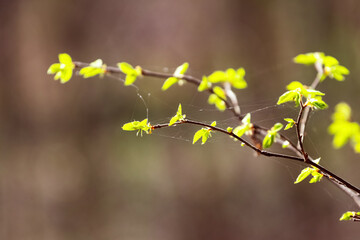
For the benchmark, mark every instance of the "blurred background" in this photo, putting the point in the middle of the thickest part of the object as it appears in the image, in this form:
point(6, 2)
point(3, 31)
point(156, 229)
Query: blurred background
point(68, 171)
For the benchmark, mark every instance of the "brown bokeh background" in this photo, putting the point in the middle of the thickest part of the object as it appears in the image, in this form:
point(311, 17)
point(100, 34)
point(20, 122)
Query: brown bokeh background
point(67, 171)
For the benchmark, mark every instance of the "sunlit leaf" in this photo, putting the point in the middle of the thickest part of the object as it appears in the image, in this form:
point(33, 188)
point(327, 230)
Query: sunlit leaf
point(304, 174)
point(169, 82)
point(178, 117)
point(289, 96)
point(204, 85)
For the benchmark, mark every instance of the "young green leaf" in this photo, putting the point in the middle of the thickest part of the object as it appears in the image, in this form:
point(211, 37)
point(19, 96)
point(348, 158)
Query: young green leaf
point(130, 72)
point(268, 140)
point(204, 85)
point(316, 176)
point(290, 96)
point(178, 117)
point(304, 174)
point(316, 103)
point(290, 124)
point(217, 98)
point(64, 69)
point(181, 70)
point(309, 58)
point(204, 134)
point(141, 127)
point(270, 137)
point(169, 82)
point(95, 68)
point(350, 216)
point(234, 77)
point(178, 74)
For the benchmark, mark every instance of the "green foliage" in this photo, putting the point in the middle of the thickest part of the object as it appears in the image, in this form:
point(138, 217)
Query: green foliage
point(217, 98)
point(316, 103)
point(130, 72)
point(245, 127)
point(316, 176)
point(178, 117)
point(234, 77)
point(350, 216)
point(290, 96)
point(204, 134)
point(297, 90)
point(330, 65)
point(141, 127)
point(344, 130)
point(204, 85)
point(178, 74)
point(64, 69)
point(270, 137)
point(290, 124)
point(95, 68)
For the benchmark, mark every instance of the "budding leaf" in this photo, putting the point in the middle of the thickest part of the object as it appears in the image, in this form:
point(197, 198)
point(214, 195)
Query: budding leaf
point(64, 69)
point(349, 216)
point(141, 127)
point(270, 137)
point(304, 174)
point(178, 74)
point(95, 68)
point(178, 117)
point(290, 124)
point(290, 96)
point(309, 58)
point(131, 73)
point(316, 103)
point(204, 85)
point(234, 77)
point(217, 98)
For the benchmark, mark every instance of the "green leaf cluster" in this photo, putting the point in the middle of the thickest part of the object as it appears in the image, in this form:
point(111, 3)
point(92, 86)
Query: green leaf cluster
point(234, 77)
point(350, 216)
point(245, 128)
point(330, 64)
point(130, 72)
point(178, 117)
point(204, 134)
point(297, 91)
point(178, 74)
point(343, 129)
point(290, 123)
point(217, 98)
point(95, 68)
point(64, 69)
point(270, 137)
point(141, 127)
point(204, 85)
point(316, 176)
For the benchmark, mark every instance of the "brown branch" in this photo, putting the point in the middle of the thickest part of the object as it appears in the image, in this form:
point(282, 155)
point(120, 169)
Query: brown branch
point(302, 155)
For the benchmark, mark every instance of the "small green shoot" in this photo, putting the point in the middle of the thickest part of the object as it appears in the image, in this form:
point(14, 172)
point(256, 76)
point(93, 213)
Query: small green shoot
point(245, 127)
point(130, 72)
point(95, 68)
point(350, 216)
point(64, 69)
point(217, 98)
point(141, 127)
point(178, 117)
point(234, 77)
point(270, 137)
point(290, 123)
point(178, 74)
point(204, 134)
point(344, 130)
point(316, 176)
